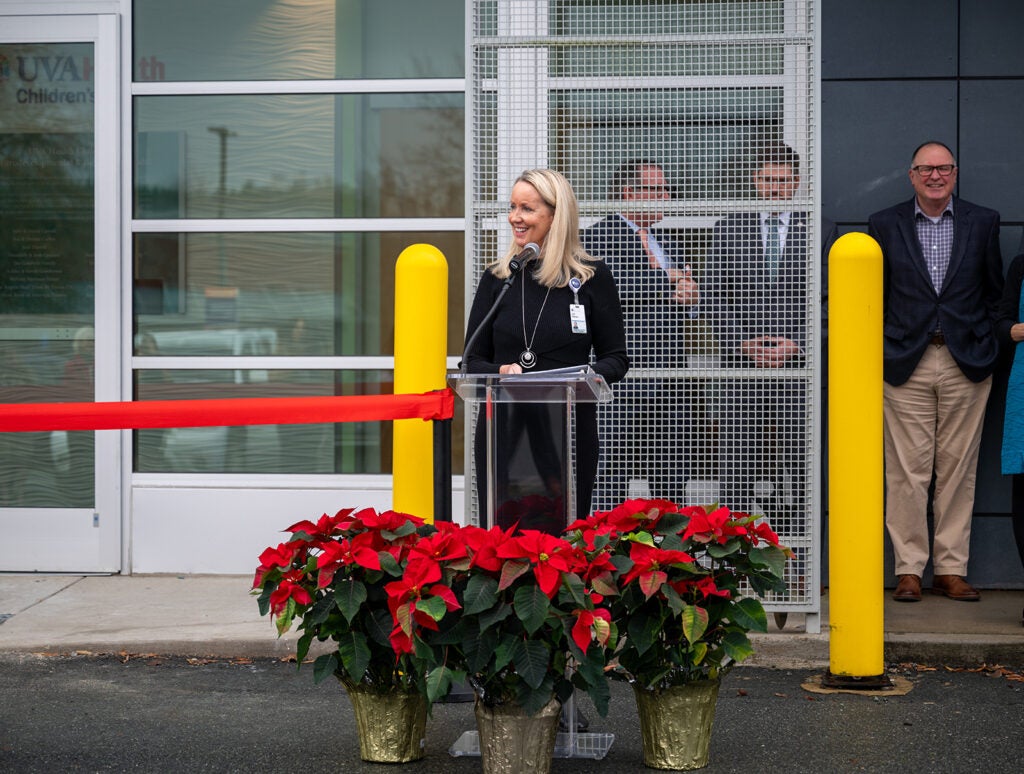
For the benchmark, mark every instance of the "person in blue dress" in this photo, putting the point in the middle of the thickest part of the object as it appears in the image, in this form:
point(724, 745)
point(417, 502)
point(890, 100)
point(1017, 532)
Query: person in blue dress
point(1010, 330)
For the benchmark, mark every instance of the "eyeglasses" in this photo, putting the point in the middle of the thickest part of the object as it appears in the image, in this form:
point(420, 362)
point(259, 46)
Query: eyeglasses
point(925, 170)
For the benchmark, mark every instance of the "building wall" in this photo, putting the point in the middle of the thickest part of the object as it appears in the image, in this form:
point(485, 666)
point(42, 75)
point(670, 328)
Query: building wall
point(893, 75)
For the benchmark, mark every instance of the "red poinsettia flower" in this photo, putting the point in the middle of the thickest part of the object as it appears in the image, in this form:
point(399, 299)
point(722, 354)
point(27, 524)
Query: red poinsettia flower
point(594, 567)
point(325, 525)
point(417, 583)
point(360, 550)
point(483, 546)
point(289, 588)
point(386, 520)
point(633, 515)
point(443, 546)
point(717, 525)
point(281, 556)
point(591, 625)
point(761, 531)
point(549, 556)
point(702, 587)
point(648, 562)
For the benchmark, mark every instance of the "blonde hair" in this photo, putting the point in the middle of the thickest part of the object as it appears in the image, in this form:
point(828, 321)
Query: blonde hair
point(562, 256)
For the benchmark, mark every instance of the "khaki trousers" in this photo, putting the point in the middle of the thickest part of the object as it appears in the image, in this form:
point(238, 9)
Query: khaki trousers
point(932, 421)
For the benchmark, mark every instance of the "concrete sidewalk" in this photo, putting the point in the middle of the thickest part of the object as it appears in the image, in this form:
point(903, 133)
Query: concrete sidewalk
point(215, 616)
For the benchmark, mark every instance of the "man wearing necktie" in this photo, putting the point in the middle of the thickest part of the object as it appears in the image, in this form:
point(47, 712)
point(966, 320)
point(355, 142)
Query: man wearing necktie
point(755, 299)
point(644, 432)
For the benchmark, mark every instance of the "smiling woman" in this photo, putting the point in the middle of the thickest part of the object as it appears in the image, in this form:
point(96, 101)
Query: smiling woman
point(566, 307)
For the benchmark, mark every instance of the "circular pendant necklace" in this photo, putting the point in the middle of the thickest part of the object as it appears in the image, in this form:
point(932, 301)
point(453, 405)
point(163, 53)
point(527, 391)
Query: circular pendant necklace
point(527, 358)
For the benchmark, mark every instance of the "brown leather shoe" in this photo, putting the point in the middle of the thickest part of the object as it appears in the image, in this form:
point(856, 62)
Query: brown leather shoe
point(908, 589)
point(955, 587)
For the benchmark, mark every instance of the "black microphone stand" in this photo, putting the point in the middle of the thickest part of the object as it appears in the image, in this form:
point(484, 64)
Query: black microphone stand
point(515, 266)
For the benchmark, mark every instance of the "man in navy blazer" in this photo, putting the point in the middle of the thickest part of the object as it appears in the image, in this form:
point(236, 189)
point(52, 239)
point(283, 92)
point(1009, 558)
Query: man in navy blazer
point(755, 299)
point(643, 431)
point(943, 277)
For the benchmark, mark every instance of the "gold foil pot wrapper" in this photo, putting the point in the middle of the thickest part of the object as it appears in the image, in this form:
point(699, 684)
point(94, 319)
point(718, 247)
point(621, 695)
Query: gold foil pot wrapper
point(512, 742)
point(675, 724)
point(392, 726)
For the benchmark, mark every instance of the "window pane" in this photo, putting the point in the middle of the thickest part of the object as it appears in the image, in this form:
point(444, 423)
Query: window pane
point(309, 294)
point(699, 136)
point(225, 40)
point(298, 156)
point(355, 447)
point(47, 266)
point(348, 447)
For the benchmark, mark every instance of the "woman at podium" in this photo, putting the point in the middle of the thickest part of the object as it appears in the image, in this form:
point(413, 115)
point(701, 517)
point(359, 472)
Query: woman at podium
point(565, 312)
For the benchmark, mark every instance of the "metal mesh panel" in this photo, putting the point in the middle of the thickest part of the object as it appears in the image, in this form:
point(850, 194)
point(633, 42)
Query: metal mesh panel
point(695, 94)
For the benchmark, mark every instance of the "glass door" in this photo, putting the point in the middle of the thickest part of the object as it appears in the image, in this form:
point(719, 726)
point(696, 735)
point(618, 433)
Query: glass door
point(59, 288)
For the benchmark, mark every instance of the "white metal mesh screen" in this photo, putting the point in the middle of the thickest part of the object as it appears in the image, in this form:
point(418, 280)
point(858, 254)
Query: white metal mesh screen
point(692, 93)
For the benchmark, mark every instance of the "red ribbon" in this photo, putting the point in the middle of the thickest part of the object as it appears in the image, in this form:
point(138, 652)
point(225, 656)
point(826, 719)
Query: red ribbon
point(21, 417)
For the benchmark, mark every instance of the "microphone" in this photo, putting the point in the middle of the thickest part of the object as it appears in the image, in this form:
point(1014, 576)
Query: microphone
point(531, 251)
point(515, 266)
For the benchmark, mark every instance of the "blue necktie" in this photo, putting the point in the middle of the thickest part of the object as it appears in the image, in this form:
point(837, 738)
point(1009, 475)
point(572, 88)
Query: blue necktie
point(773, 248)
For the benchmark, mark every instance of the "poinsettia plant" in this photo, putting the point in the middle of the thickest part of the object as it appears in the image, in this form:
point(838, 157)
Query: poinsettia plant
point(332, 577)
point(526, 625)
point(678, 586)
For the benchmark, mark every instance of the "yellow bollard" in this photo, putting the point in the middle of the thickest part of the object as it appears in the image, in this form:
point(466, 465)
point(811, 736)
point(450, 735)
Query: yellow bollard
point(856, 487)
point(421, 337)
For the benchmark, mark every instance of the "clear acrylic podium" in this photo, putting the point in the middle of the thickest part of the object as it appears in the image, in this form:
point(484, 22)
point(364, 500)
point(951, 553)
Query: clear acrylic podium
point(529, 476)
point(527, 420)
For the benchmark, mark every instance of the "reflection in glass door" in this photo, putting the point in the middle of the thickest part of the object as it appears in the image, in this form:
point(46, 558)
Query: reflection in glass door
point(58, 265)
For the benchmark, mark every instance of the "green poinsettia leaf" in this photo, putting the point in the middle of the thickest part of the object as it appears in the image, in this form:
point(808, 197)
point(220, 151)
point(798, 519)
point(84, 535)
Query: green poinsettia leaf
point(477, 650)
point(675, 602)
point(495, 616)
point(439, 682)
point(573, 586)
point(432, 606)
point(264, 597)
point(672, 524)
point(532, 700)
point(695, 622)
point(403, 529)
point(722, 550)
point(350, 595)
point(324, 666)
point(600, 693)
point(503, 653)
point(622, 563)
point(531, 606)
point(673, 542)
point(646, 538)
point(355, 654)
point(737, 645)
point(698, 653)
point(642, 631)
point(378, 626)
point(531, 658)
point(320, 611)
point(590, 670)
point(748, 613)
point(772, 557)
point(302, 647)
point(481, 594)
point(389, 564)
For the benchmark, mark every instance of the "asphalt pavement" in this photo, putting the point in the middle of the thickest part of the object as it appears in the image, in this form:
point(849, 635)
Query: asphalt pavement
point(173, 673)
